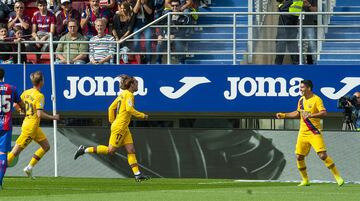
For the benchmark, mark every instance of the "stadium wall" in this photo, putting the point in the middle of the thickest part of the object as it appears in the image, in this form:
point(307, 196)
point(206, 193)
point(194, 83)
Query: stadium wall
point(200, 153)
point(186, 88)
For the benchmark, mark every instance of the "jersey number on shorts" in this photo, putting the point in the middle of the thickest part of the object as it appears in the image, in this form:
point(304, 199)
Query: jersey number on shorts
point(118, 137)
point(5, 103)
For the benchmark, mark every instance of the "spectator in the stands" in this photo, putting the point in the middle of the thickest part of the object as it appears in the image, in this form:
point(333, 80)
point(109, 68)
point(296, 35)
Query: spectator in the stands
point(43, 23)
point(107, 4)
point(17, 18)
point(144, 15)
point(309, 33)
point(5, 58)
point(63, 16)
point(185, 5)
point(53, 5)
point(89, 16)
point(5, 8)
point(100, 52)
point(123, 27)
point(123, 21)
point(201, 3)
point(19, 37)
point(175, 33)
point(77, 50)
point(159, 6)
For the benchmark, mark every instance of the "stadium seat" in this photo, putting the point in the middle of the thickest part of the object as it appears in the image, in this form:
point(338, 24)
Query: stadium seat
point(31, 58)
point(342, 52)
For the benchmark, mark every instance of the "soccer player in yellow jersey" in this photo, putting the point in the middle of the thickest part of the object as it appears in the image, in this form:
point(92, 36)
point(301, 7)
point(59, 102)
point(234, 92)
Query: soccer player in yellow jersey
point(120, 113)
point(30, 129)
point(310, 110)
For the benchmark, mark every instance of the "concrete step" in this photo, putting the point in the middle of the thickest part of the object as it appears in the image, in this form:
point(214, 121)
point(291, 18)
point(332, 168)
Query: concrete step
point(336, 56)
point(216, 57)
point(342, 36)
point(211, 62)
point(215, 46)
point(223, 9)
point(344, 30)
point(347, 9)
point(338, 62)
point(223, 29)
point(217, 36)
point(347, 3)
point(341, 46)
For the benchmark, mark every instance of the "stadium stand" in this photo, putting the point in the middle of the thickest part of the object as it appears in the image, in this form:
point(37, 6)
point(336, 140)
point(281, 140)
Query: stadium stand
point(219, 33)
point(332, 50)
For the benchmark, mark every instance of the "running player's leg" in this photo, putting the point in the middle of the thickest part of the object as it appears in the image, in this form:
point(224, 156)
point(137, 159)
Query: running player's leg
point(319, 146)
point(115, 140)
point(41, 139)
point(130, 149)
point(302, 150)
point(21, 143)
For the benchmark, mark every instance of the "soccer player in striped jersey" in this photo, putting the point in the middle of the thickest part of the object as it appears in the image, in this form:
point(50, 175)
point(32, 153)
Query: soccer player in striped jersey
point(8, 96)
point(310, 110)
point(120, 113)
point(30, 129)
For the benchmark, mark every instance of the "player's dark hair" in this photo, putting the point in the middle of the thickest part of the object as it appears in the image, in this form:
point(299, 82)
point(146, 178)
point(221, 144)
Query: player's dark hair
point(2, 73)
point(126, 81)
point(308, 83)
point(36, 78)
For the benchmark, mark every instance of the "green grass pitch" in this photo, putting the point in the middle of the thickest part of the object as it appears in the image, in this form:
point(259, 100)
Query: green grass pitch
point(90, 189)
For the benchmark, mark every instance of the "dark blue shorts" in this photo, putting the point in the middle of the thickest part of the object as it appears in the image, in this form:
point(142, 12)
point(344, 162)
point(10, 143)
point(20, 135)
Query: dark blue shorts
point(5, 141)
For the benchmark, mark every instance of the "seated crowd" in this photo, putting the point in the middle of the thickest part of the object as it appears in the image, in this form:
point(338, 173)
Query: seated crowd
point(99, 22)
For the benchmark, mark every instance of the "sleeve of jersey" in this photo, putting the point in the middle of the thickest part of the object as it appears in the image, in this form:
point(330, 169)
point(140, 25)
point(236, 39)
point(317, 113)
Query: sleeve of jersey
point(112, 110)
point(320, 105)
point(40, 101)
point(129, 102)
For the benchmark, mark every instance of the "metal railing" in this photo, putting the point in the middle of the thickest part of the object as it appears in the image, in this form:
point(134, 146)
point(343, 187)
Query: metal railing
point(233, 29)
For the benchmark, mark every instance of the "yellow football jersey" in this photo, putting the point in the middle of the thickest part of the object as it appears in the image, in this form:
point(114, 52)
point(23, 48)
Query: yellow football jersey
point(34, 100)
point(312, 105)
point(122, 108)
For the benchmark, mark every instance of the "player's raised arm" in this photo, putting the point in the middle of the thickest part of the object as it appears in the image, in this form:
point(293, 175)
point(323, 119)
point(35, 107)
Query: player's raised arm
point(290, 115)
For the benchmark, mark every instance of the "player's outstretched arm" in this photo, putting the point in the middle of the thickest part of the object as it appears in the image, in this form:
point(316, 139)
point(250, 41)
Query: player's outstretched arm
point(289, 115)
point(43, 115)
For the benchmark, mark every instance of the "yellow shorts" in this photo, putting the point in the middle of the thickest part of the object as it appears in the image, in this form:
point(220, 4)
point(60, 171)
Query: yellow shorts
point(307, 140)
point(26, 137)
point(120, 137)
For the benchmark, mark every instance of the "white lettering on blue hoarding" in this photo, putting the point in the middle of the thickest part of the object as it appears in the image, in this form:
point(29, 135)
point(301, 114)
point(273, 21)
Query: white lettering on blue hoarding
point(350, 84)
point(98, 86)
point(189, 83)
point(256, 87)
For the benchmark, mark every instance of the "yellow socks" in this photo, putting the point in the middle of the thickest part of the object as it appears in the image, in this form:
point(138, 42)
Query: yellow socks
point(302, 169)
point(329, 163)
point(101, 149)
point(36, 157)
point(133, 164)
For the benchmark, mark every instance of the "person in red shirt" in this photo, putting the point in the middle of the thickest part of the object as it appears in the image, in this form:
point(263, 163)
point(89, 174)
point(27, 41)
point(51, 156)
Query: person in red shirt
point(43, 23)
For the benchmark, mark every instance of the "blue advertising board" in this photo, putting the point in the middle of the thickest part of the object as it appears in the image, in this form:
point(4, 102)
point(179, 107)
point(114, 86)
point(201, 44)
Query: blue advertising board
point(186, 88)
